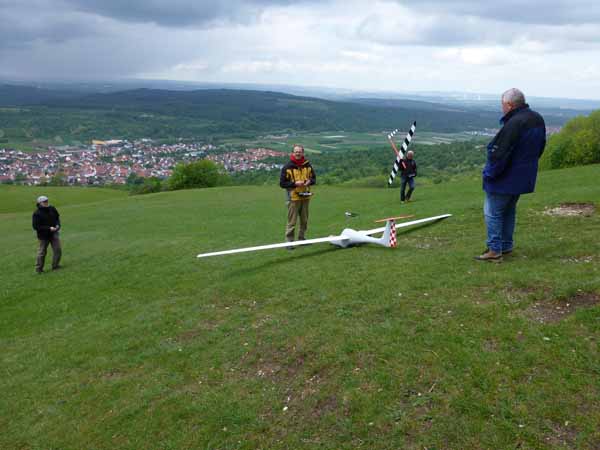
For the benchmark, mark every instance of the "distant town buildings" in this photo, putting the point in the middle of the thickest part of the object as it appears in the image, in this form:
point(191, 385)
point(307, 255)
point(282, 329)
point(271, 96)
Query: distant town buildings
point(113, 161)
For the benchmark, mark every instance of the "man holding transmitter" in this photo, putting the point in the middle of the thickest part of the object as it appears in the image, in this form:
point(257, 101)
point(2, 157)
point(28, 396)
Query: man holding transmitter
point(296, 177)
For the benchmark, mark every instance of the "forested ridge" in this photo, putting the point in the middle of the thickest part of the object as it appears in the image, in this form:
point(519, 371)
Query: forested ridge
point(203, 114)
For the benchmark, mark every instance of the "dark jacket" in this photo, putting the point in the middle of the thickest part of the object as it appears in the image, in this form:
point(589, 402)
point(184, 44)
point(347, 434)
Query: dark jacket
point(513, 154)
point(408, 168)
point(290, 173)
point(43, 219)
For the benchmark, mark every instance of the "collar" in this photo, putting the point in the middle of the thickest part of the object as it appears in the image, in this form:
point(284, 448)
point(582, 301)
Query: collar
point(298, 162)
point(511, 113)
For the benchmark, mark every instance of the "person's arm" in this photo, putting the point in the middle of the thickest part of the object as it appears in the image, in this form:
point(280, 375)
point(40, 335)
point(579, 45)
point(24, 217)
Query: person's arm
point(313, 176)
point(415, 171)
point(57, 219)
point(394, 147)
point(500, 150)
point(283, 180)
point(36, 224)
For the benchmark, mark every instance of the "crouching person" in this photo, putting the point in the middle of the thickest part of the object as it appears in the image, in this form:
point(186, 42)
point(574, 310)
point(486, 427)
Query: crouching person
point(46, 222)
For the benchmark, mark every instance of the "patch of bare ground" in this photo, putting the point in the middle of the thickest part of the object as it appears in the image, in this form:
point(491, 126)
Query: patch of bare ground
point(490, 345)
point(200, 329)
point(276, 364)
point(554, 310)
point(578, 260)
point(428, 243)
point(518, 294)
point(572, 209)
point(304, 385)
point(562, 435)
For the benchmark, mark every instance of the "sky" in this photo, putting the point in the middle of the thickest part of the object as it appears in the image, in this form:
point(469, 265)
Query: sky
point(547, 49)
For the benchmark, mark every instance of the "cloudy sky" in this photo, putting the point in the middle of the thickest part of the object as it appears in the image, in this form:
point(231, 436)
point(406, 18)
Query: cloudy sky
point(549, 48)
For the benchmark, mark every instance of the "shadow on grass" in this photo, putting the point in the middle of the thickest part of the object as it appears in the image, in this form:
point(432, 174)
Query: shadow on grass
point(290, 255)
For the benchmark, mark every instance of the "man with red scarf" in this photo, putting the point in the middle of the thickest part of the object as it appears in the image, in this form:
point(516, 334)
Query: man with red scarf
point(296, 177)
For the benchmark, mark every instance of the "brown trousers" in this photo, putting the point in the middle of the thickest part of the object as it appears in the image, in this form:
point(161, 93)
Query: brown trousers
point(42, 250)
point(297, 210)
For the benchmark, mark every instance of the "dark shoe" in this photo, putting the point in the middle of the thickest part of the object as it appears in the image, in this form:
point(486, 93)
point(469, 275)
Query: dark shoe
point(39, 272)
point(490, 256)
point(57, 268)
point(504, 252)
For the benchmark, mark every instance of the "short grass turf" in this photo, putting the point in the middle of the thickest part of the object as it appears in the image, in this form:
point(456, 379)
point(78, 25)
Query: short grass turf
point(135, 343)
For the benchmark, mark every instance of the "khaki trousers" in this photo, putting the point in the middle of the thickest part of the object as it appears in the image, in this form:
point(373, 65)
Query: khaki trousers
point(54, 241)
point(297, 210)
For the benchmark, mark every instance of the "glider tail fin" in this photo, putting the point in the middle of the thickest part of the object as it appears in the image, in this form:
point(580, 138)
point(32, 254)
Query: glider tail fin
point(389, 234)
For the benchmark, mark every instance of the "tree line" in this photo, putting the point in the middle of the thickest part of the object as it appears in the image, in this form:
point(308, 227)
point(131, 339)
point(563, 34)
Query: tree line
point(578, 143)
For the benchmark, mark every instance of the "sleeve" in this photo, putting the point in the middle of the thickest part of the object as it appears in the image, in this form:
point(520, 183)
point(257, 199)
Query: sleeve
point(415, 168)
point(500, 150)
point(57, 218)
point(283, 180)
point(36, 224)
point(313, 176)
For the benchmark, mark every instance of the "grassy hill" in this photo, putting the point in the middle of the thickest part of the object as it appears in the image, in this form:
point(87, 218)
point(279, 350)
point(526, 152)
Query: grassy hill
point(22, 198)
point(137, 344)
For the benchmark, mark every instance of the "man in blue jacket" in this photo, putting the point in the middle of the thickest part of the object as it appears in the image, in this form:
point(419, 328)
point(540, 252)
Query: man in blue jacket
point(510, 170)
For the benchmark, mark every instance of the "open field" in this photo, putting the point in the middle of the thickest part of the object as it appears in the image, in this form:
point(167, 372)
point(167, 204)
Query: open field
point(342, 141)
point(22, 198)
point(137, 344)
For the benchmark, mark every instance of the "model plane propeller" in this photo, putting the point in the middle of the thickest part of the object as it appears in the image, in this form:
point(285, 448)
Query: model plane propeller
point(348, 238)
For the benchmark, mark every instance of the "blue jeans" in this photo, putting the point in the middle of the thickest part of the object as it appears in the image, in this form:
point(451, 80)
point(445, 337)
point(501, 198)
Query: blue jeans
point(500, 211)
point(411, 185)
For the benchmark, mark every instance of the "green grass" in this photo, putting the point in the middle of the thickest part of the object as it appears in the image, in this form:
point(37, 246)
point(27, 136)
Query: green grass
point(137, 344)
point(22, 198)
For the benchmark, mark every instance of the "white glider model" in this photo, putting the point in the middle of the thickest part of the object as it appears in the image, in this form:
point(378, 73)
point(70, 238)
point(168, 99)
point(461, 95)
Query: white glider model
point(348, 238)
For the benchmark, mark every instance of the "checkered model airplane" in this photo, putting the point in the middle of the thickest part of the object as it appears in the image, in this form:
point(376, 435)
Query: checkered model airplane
point(348, 238)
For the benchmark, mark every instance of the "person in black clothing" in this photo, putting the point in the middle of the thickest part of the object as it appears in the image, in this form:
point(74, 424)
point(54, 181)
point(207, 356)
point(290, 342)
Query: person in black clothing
point(46, 222)
point(408, 172)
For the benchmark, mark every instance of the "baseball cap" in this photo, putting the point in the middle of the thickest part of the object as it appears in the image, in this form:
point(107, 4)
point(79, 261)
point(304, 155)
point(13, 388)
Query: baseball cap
point(42, 198)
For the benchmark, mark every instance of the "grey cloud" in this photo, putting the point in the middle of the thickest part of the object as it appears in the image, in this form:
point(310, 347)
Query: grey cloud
point(552, 12)
point(24, 23)
point(446, 29)
point(178, 12)
point(431, 31)
point(434, 31)
point(27, 21)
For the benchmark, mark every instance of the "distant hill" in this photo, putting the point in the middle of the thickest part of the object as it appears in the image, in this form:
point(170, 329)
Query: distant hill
point(269, 111)
point(69, 115)
point(12, 95)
